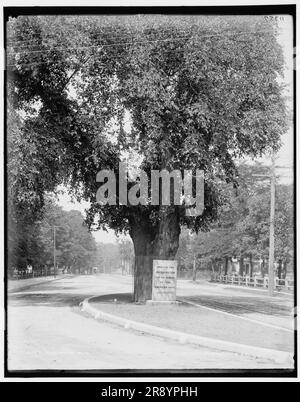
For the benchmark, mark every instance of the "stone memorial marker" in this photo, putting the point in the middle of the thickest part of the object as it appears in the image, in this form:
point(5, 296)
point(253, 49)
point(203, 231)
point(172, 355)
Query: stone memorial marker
point(164, 281)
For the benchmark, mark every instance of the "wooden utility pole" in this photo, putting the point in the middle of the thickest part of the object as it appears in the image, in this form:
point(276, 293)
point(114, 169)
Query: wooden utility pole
point(272, 176)
point(54, 251)
point(272, 218)
point(194, 268)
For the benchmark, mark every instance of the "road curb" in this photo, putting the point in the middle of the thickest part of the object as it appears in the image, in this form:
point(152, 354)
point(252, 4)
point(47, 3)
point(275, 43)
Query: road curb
point(281, 357)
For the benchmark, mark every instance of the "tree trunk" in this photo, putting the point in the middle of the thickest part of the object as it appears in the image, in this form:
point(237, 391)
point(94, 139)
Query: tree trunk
point(263, 270)
point(251, 266)
point(279, 269)
point(226, 266)
point(160, 242)
point(284, 269)
point(241, 270)
point(143, 249)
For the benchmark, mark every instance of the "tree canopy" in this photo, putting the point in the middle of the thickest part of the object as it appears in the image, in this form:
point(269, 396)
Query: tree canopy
point(198, 91)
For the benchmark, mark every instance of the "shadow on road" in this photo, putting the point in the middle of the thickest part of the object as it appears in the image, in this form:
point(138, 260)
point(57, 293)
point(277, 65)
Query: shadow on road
point(51, 294)
point(46, 294)
point(116, 298)
point(56, 299)
point(240, 305)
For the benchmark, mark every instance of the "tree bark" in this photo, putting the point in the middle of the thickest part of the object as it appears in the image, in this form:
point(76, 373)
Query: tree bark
point(251, 265)
point(226, 266)
point(263, 270)
point(143, 246)
point(284, 269)
point(279, 270)
point(160, 242)
point(241, 270)
point(219, 267)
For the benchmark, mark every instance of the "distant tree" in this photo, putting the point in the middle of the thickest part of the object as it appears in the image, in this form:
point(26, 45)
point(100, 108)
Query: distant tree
point(75, 244)
point(108, 257)
point(33, 242)
point(242, 228)
point(126, 252)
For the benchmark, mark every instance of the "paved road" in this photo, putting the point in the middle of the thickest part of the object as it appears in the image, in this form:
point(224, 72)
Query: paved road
point(247, 303)
point(47, 330)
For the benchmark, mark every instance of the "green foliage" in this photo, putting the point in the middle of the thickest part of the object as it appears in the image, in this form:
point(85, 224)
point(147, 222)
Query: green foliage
point(34, 242)
point(200, 91)
point(243, 225)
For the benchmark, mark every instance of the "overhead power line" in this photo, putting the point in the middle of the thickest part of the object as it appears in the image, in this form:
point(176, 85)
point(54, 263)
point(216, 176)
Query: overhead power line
point(135, 33)
point(187, 36)
point(101, 36)
point(100, 46)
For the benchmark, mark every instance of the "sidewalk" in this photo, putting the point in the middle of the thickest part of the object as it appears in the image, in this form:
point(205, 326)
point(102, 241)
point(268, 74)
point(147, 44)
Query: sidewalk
point(262, 291)
point(250, 291)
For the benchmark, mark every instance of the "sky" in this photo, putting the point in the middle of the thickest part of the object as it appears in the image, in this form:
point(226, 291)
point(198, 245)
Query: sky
point(284, 159)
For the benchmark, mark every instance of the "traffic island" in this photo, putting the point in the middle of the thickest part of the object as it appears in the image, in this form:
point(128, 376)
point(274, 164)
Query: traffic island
point(185, 323)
